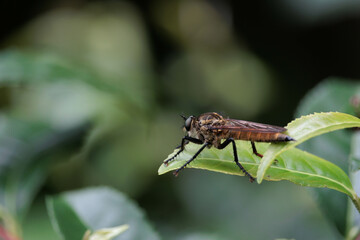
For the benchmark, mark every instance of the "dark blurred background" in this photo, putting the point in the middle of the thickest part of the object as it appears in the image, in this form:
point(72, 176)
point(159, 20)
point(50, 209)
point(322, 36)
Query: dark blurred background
point(129, 68)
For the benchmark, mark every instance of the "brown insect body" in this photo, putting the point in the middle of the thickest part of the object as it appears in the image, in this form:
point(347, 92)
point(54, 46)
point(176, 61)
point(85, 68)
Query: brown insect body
point(209, 129)
point(212, 128)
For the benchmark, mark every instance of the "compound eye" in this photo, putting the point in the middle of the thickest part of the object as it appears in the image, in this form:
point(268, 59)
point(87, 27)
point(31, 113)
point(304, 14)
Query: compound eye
point(188, 123)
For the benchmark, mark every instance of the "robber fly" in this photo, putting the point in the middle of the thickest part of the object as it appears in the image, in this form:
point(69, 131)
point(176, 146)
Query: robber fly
point(209, 129)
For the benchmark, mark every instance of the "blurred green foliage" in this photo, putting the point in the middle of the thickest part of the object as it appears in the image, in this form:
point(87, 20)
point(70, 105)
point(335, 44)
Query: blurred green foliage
point(97, 208)
point(83, 103)
point(338, 147)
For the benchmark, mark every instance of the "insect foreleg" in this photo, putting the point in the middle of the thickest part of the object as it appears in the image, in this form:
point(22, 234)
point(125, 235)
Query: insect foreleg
point(185, 140)
point(224, 144)
point(191, 159)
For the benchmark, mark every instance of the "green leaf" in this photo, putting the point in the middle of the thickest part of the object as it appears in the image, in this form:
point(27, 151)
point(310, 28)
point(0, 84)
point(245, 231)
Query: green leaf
point(28, 67)
point(333, 94)
point(34, 67)
point(294, 165)
point(64, 219)
point(103, 207)
point(107, 233)
point(27, 152)
point(303, 129)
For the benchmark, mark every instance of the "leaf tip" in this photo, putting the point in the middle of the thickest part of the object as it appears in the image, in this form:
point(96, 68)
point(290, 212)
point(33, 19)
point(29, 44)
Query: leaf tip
point(162, 169)
point(259, 176)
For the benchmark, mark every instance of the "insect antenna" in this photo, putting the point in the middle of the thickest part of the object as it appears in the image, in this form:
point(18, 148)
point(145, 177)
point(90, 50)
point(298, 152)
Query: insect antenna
point(183, 116)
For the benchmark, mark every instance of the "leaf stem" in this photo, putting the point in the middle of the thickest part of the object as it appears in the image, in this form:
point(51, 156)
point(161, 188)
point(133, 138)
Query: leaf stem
point(356, 200)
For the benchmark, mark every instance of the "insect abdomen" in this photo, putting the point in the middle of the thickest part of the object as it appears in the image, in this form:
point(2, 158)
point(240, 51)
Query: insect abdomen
point(259, 137)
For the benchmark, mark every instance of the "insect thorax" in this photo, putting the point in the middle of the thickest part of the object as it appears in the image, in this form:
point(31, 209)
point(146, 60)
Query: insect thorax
point(204, 124)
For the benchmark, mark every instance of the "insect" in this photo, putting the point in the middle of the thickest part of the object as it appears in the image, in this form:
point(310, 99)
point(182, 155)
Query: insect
point(209, 129)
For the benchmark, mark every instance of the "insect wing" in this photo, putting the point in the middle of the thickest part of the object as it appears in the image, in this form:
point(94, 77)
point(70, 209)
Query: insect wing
point(246, 126)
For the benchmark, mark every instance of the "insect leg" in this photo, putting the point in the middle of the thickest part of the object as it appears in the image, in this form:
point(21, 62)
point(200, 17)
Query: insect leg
point(254, 150)
point(191, 159)
point(224, 144)
point(185, 140)
point(258, 154)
